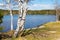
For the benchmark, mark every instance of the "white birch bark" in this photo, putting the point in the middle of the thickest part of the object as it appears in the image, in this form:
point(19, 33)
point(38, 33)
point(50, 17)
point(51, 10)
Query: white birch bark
point(11, 19)
point(56, 13)
point(9, 5)
point(56, 7)
point(21, 20)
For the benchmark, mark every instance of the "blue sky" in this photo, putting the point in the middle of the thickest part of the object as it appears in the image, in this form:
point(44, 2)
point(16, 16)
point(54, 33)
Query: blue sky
point(36, 5)
point(42, 4)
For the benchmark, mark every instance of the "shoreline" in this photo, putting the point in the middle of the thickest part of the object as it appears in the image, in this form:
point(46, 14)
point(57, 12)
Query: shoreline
point(34, 28)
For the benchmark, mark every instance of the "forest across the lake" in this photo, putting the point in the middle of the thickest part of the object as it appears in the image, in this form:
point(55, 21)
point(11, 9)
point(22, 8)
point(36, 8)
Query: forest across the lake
point(33, 12)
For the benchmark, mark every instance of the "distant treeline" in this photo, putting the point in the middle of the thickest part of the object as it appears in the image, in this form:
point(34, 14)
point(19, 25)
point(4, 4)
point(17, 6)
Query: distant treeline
point(53, 12)
point(33, 12)
point(6, 12)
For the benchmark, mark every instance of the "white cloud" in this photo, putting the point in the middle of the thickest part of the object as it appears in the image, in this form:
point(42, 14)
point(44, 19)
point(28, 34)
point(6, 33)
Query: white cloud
point(33, 7)
point(41, 6)
point(1, 4)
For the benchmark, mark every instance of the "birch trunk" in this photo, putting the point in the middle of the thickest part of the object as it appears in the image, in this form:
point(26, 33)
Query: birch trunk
point(21, 28)
point(57, 14)
point(19, 18)
point(10, 11)
point(21, 21)
point(9, 5)
point(18, 23)
point(11, 19)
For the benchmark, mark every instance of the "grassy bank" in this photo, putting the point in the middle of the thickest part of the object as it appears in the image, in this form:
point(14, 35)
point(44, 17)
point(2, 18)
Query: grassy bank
point(50, 31)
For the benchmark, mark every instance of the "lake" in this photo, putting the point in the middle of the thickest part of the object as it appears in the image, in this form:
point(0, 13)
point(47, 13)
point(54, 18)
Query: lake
point(30, 22)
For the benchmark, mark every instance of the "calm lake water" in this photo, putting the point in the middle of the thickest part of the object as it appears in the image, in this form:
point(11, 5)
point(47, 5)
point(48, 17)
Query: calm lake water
point(31, 21)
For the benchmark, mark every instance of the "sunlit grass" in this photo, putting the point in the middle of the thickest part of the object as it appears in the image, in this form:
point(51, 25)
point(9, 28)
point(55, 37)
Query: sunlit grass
point(50, 31)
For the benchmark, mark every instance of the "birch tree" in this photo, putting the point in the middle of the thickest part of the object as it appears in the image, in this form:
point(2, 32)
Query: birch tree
point(57, 10)
point(9, 8)
point(22, 15)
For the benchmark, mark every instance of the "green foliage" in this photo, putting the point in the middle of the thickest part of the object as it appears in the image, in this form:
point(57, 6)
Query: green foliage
point(1, 28)
point(1, 16)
